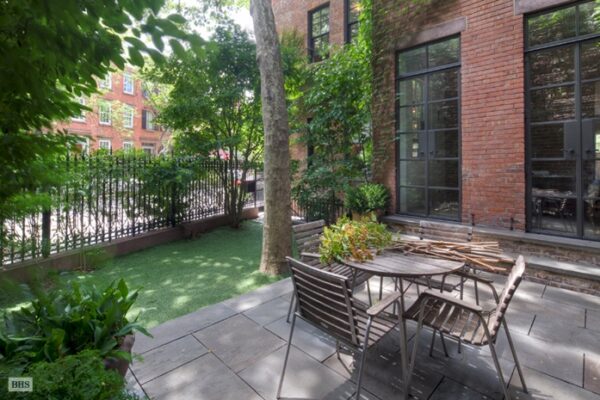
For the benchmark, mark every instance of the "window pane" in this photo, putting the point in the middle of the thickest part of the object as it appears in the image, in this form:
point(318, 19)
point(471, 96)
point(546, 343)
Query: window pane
point(590, 60)
point(354, 10)
point(443, 115)
point(410, 91)
point(548, 141)
point(412, 60)
point(412, 173)
point(443, 85)
point(553, 178)
point(552, 26)
point(443, 173)
point(321, 48)
point(589, 18)
point(412, 200)
point(444, 203)
point(320, 22)
point(552, 66)
point(556, 214)
point(590, 99)
point(553, 104)
point(444, 143)
point(591, 222)
point(410, 146)
point(411, 119)
point(442, 53)
point(591, 178)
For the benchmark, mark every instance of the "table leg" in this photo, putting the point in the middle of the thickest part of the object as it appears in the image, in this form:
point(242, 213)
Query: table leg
point(403, 343)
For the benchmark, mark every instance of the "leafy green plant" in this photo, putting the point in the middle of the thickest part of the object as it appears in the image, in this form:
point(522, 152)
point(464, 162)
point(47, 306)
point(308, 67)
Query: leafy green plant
point(74, 377)
point(367, 198)
point(357, 240)
point(67, 321)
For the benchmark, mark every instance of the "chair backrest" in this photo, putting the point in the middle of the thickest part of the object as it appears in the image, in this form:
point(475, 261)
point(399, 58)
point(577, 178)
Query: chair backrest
point(512, 283)
point(307, 236)
point(325, 300)
point(445, 232)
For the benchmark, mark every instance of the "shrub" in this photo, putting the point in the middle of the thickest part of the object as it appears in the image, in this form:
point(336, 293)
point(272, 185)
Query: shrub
point(67, 321)
point(367, 198)
point(357, 239)
point(75, 377)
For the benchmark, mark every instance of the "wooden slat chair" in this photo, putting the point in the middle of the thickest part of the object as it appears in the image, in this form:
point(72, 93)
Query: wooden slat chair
point(325, 301)
point(307, 238)
point(468, 322)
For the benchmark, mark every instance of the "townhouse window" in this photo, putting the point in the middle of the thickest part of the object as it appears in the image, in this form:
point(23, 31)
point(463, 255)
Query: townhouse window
point(128, 83)
point(104, 113)
point(106, 82)
point(105, 144)
point(83, 145)
point(428, 130)
point(128, 114)
point(81, 116)
point(148, 120)
point(562, 58)
point(318, 33)
point(352, 10)
point(148, 148)
point(128, 145)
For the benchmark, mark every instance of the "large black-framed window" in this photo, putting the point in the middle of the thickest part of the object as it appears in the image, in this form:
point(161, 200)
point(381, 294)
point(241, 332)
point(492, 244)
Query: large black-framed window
point(563, 121)
point(351, 12)
point(428, 130)
point(318, 33)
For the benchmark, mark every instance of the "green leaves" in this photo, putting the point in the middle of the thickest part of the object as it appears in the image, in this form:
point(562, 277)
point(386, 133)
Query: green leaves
point(367, 198)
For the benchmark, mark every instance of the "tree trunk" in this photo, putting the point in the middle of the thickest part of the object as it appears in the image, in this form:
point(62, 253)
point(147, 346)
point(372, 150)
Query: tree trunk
point(277, 233)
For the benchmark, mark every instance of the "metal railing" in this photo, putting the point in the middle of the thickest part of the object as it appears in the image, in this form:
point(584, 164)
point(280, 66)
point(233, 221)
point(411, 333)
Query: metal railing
point(107, 197)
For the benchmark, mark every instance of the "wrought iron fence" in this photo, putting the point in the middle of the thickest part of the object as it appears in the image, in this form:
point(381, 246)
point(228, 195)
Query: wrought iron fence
point(312, 210)
point(114, 196)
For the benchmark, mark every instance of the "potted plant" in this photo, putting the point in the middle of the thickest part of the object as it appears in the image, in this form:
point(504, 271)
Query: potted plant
point(70, 320)
point(357, 239)
point(366, 199)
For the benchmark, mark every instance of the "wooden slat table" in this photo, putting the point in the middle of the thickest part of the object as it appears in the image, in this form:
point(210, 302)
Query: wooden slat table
point(401, 266)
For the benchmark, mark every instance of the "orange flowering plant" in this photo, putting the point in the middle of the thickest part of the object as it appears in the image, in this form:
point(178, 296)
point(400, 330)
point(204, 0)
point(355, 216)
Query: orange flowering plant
point(358, 239)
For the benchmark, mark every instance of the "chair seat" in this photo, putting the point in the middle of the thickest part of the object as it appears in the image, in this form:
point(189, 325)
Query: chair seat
point(380, 325)
point(348, 272)
point(432, 283)
point(452, 320)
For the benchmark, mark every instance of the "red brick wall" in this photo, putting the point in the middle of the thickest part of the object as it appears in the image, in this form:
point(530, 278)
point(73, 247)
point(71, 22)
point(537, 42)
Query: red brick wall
point(115, 132)
point(492, 101)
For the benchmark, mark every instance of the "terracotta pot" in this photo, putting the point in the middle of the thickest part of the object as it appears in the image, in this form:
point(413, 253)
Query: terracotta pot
point(120, 364)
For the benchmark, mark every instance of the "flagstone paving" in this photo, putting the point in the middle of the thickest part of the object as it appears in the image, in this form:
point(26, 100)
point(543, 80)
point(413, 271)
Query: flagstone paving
point(235, 350)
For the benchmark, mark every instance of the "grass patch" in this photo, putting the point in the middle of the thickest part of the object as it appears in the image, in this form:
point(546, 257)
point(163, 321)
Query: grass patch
point(180, 277)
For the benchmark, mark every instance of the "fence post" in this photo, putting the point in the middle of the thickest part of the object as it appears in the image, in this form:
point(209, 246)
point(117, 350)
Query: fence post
point(46, 221)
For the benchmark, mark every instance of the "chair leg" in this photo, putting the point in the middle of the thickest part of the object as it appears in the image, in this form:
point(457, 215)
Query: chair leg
point(287, 354)
point(432, 344)
point(292, 301)
point(496, 363)
point(380, 288)
point(363, 357)
point(369, 292)
point(514, 354)
point(444, 344)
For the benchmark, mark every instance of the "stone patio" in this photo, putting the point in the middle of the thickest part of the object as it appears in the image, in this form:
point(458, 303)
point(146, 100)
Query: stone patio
point(234, 351)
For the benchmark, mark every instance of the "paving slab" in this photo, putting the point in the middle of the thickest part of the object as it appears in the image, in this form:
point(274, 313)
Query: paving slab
point(450, 389)
point(239, 341)
point(544, 387)
point(269, 311)
point(182, 326)
point(557, 359)
point(579, 340)
point(133, 386)
point(259, 296)
point(592, 319)
point(205, 378)
point(573, 298)
point(591, 373)
point(165, 358)
point(306, 337)
point(305, 378)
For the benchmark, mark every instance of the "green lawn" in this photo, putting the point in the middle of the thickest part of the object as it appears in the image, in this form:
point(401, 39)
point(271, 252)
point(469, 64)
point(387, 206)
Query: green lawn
point(178, 278)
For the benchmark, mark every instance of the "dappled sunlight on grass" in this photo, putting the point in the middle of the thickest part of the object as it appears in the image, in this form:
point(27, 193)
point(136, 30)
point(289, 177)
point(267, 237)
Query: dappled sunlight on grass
point(180, 277)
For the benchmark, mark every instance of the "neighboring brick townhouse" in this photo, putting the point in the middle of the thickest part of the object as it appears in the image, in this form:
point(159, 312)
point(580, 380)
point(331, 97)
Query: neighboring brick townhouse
point(122, 117)
point(485, 112)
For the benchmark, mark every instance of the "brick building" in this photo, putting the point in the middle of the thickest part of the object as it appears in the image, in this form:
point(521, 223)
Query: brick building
point(122, 117)
point(485, 111)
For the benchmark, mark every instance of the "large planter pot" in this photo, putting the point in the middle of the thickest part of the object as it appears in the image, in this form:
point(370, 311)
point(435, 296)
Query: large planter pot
point(119, 364)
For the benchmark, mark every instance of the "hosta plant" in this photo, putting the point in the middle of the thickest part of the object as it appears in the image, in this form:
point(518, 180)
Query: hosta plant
point(358, 239)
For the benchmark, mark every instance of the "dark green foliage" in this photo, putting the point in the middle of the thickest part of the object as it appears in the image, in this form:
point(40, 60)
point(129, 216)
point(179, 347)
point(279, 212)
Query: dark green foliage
point(214, 106)
point(67, 321)
point(75, 377)
point(367, 198)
